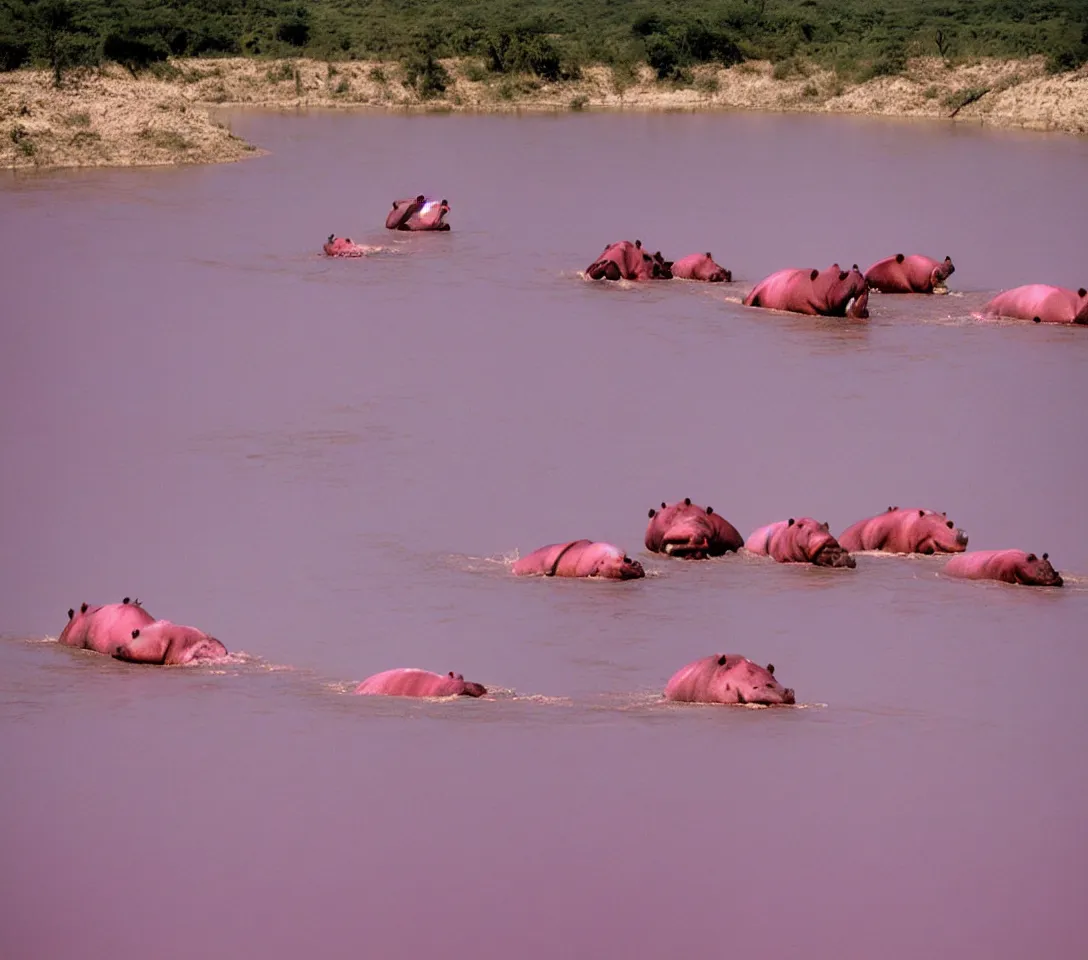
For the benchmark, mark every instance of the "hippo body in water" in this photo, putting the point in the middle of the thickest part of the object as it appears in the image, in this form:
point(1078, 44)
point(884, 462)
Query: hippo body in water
point(799, 541)
point(910, 274)
point(727, 678)
point(104, 628)
point(410, 682)
point(168, 644)
point(580, 558)
point(912, 530)
point(830, 293)
point(418, 214)
point(687, 530)
point(1011, 566)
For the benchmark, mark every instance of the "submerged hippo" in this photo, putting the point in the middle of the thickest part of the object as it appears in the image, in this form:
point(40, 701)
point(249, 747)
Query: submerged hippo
point(905, 531)
point(1011, 566)
point(700, 266)
point(580, 558)
point(418, 214)
point(168, 644)
point(624, 260)
point(104, 628)
point(1040, 303)
point(799, 541)
point(410, 682)
point(833, 292)
point(685, 529)
point(910, 274)
point(727, 678)
point(343, 247)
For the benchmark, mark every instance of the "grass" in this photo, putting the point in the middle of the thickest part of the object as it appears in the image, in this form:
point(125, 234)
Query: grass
point(165, 139)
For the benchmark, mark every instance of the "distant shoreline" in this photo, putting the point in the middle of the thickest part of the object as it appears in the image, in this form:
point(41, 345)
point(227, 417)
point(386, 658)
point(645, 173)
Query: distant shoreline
point(107, 117)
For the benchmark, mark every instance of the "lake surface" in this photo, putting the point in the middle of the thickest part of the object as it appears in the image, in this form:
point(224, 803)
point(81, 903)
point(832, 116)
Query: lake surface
point(330, 464)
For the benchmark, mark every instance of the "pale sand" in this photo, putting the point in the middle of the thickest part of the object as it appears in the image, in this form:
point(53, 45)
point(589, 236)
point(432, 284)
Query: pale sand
point(106, 117)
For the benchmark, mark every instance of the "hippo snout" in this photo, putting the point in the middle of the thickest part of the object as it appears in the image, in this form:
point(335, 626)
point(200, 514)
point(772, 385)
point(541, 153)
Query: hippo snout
point(834, 555)
point(788, 696)
point(961, 537)
point(474, 689)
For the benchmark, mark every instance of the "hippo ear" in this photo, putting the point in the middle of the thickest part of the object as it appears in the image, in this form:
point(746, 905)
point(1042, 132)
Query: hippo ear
point(83, 608)
point(949, 524)
point(71, 613)
point(125, 601)
point(135, 634)
point(890, 509)
point(815, 273)
point(420, 198)
point(652, 511)
point(947, 259)
point(791, 523)
point(899, 258)
point(394, 206)
point(1046, 556)
point(708, 256)
point(709, 511)
point(445, 202)
point(662, 504)
point(1082, 292)
point(921, 513)
point(1032, 558)
point(331, 235)
point(452, 676)
point(687, 501)
point(721, 660)
point(770, 669)
point(855, 267)
point(638, 244)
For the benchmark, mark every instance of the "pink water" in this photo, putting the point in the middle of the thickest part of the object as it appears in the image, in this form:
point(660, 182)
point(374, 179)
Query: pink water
point(325, 463)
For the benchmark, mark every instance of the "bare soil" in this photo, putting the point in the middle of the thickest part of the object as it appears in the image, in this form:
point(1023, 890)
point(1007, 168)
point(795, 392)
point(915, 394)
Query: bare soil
point(108, 117)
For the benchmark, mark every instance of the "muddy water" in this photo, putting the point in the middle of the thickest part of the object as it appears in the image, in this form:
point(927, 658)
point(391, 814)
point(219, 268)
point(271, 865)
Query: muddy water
point(329, 465)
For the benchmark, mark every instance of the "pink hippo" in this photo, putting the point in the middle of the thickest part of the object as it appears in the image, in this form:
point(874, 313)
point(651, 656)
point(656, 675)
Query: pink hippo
point(343, 247)
point(832, 292)
point(700, 266)
point(166, 643)
point(905, 531)
point(624, 260)
point(727, 678)
point(799, 541)
point(418, 214)
point(687, 530)
point(580, 558)
point(910, 274)
point(1012, 566)
point(1040, 303)
point(104, 628)
point(410, 682)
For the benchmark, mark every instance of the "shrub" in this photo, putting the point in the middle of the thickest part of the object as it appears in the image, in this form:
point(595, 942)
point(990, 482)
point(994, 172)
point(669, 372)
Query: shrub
point(579, 102)
point(135, 47)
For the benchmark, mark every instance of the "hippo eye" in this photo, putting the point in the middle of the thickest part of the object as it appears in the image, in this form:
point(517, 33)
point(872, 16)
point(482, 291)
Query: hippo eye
point(1032, 558)
point(626, 559)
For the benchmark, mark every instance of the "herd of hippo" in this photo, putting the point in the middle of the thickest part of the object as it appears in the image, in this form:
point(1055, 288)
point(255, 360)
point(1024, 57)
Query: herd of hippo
point(833, 292)
point(683, 530)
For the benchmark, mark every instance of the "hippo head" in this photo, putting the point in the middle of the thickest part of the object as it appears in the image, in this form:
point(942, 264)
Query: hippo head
point(935, 533)
point(468, 688)
point(662, 268)
point(940, 274)
point(819, 545)
point(750, 682)
point(681, 530)
point(717, 274)
point(1037, 572)
point(856, 288)
point(614, 564)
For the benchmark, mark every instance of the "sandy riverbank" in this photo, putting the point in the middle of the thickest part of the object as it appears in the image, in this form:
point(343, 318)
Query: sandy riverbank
point(107, 117)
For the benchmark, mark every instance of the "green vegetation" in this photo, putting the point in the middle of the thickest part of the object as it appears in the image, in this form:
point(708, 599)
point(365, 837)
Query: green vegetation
point(551, 39)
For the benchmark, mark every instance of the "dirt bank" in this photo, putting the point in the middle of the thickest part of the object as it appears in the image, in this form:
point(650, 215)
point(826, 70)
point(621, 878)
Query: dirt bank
point(107, 117)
